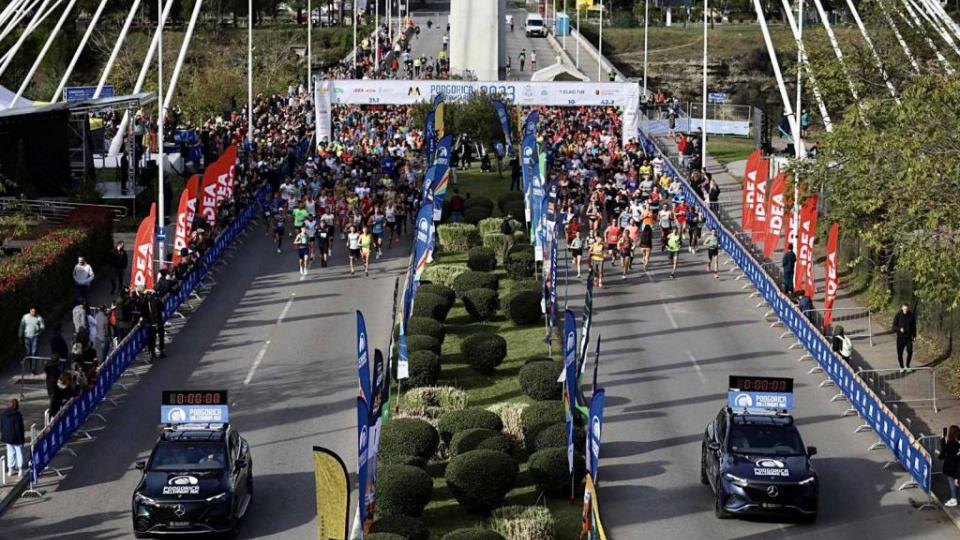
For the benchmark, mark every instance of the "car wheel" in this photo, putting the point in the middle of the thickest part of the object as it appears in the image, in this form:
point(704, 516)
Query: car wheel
point(703, 468)
point(718, 504)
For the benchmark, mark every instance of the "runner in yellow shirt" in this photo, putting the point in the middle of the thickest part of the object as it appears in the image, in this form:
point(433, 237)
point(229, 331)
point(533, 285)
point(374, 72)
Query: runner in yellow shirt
point(597, 255)
point(366, 242)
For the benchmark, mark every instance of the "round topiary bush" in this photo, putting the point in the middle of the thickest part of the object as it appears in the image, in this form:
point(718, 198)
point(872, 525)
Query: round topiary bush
point(550, 470)
point(514, 209)
point(472, 534)
point(482, 259)
point(406, 527)
point(480, 438)
point(484, 351)
point(539, 380)
point(521, 248)
point(424, 369)
point(423, 343)
point(439, 290)
point(476, 214)
point(402, 490)
point(555, 436)
point(458, 237)
point(413, 461)
point(475, 280)
point(480, 479)
point(481, 304)
point(540, 415)
point(425, 326)
point(430, 305)
point(384, 536)
point(454, 422)
point(523, 307)
point(527, 285)
point(520, 265)
point(509, 197)
point(478, 202)
point(408, 437)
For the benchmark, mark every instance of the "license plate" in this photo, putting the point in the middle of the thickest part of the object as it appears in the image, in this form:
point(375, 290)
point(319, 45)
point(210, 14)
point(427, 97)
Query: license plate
point(772, 505)
point(180, 524)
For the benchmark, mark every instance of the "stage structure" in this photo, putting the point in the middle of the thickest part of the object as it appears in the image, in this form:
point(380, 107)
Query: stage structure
point(623, 95)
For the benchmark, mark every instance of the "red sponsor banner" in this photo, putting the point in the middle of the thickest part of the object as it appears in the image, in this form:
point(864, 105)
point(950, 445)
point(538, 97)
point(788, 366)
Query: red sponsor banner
point(142, 272)
point(806, 233)
point(759, 222)
point(207, 195)
point(185, 213)
point(832, 279)
point(749, 173)
point(229, 159)
point(193, 187)
point(776, 206)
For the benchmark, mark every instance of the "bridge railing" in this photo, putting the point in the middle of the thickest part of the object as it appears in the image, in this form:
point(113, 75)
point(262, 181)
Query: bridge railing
point(51, 210)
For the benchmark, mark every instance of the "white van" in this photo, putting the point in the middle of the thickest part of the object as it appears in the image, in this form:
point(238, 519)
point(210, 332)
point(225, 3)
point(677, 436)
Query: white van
point(535, 26)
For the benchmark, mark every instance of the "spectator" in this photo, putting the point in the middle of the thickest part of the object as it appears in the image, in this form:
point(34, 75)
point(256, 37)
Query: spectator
point(58, 345)
point(950, 454)
point(788, 263)
point(31, 326)
point(118, 267)
point(82, 278)
point(841, 344)
point(64, 390)
point(905, 326)
point(153, 313)
point(11, 434)
point(79, 317)
point(102, 342)
point(805, 303)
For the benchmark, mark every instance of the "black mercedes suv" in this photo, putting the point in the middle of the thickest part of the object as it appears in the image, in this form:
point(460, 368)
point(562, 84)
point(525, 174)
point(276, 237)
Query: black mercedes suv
point(756, 464)
point(199, 479)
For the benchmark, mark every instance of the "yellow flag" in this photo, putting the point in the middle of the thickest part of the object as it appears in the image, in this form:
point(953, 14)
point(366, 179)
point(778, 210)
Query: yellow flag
point(592, 528)
point(438, 121)
point(333, 495)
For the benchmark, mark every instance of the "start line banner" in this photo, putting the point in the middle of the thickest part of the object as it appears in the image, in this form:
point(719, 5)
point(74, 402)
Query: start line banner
point(555, 94)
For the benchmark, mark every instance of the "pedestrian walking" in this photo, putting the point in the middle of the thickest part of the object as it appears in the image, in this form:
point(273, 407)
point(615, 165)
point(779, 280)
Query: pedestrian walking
point(712, 243)
point(905, 326)
point(533, 60)
point(788, 263)
point(950, 455)
point(79, 317)
point(118, 267)
point(82, 278)
point(12, 435)
point(31, 326)
point(522, 57)
point(841, 344)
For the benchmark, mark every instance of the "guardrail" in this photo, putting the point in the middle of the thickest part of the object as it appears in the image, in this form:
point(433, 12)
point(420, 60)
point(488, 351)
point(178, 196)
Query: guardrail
point(918, 385)
point(68, 421)
point(52, 211)
point(23, 368)
point(892, 433)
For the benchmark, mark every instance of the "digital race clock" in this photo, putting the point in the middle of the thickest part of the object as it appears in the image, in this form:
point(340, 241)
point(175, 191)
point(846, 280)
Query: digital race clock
point(194, 397)
point(760, 384)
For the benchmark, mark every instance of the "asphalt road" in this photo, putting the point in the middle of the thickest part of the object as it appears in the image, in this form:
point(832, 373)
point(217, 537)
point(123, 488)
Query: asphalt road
point(284, 348)
point(667, 349)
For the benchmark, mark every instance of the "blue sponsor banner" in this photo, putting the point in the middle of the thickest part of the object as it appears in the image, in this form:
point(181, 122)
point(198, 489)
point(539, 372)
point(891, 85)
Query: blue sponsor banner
point(595, 423)
point(504, 117)
point(194, 414)
point(363, 412)
point(440, 179)
point(430, 136)
point(423, 241)
point(363, 358)
point(570, 385)
point(893, 433)
point(80, 93)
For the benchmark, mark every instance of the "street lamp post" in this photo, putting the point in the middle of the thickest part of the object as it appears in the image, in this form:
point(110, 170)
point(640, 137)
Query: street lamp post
point(646, 19)
point(703, 125)
point(250, 71)
point(161, 244)
point(309, 46)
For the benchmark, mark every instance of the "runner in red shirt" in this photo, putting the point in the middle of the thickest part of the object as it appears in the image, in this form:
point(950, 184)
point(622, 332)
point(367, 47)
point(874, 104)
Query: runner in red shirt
point(611, 236)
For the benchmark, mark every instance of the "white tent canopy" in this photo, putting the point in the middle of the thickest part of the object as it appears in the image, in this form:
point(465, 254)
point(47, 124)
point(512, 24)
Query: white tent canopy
point(6, 97)
point(559, 71)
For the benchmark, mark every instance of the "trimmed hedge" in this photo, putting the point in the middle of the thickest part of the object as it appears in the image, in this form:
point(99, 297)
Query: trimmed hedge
point(482, 259)
point(513, 209)
point(539, 416)
point(402, 490)
point(489, 226)
point(478, 202)
point(481, 304)
point(423, 343)
point(522, 248)
point(432, 401)
point(40, 276)
point(550, 470)
point(425, 326)
point(499, 243)
point(509, 197)
point(458, 237)
point(443, 274)
point(520, 265)
point(407, 527)
point(526, 522)
point(523, 307)
point(413, 461)
point(480, 438)
point(408, 437)
point(384, 536)
point(440, 290)
point(430, 305)
point(472, 280)
point(472, 534)
point(476, 215)
point(484, 351)
point(480, 479)
point(424, 368)
point(539, 380)
point(555, 436)
point(454, 422)
point(526, 285)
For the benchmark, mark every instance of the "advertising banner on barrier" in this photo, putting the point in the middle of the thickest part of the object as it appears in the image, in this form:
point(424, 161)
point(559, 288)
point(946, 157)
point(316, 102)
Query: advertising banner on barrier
point(749, 183)
point(759, 220)
point(363, 359)
point(591, 526)
point(570, 385)
point(332, 493)
point(832, 281)
point(182, 230)
point(229, 159)
point(423, 242)
point(806, 234)
point(208, 195)
point(776, 206)
point(141, 274)
point(528, 159)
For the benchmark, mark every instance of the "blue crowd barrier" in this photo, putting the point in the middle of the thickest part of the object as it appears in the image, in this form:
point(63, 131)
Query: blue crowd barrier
point(76, 411)
point(894, 434)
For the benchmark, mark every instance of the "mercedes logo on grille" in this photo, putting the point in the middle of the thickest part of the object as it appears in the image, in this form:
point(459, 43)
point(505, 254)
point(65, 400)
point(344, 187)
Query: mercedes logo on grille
point(179, 510)
point(773, 491)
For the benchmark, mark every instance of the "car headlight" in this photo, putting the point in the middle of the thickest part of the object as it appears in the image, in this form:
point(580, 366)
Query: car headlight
point(808, 481)
point(217, 498)
point(735, 480)
point(143, 499)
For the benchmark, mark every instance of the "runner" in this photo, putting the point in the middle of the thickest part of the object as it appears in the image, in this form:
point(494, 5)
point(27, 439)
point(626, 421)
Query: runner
point(323, 237)
point(366, 244)
point(390, 214)
point(596, 261)
point(713, 251)
point(353, 247)
point(625, 248)
point(523, 58)
point(665, 219)
point(576, 250)
point(646, 244)
point(310, 223)
point(673, 248)
point(694, 227)
point(279, 227)
point(612, 235)
point(377, 221)
point(303, 249)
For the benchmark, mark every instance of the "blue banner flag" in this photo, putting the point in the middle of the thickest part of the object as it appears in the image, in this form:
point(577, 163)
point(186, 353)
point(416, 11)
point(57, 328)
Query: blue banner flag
point(403, 366)
point(379, 385)
point(423, 242)
point(363, 411)
point(528, 164)
point(426, 194)
point(595, 424)
point(504, 117)
point(441, 175)
point(429, 135)
point(570, 385)
point(363, 358)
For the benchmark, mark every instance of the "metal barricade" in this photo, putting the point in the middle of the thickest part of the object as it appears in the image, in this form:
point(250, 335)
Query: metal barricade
point(894, 387)
point(23, 368)
point(857, 322)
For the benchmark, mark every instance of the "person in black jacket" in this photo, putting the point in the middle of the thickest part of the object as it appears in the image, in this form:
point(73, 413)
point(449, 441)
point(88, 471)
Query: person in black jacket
point(950, 454)
point(58, 346)
point(11, 434)
point(905, 326)
point(118, 266)
point(153, 313)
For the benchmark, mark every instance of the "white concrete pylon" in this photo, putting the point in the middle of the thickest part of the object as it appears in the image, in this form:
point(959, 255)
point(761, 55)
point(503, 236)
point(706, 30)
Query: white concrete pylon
point(917, 25)
point(38, 16)
point(802, 51)
point(76, 54)
point(184, 47)
point(838, 53)
point(873, 50)
point(787, 107)
point(919, 8)
point(116, 48)
point(899, 36)
point(43, 52)
point(15, 19)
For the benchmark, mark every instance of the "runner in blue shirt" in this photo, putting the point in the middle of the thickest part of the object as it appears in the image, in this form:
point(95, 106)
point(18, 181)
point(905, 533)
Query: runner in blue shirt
point(377, 222)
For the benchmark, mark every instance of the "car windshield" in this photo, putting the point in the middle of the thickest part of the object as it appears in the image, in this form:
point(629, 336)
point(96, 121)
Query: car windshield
point(535, 22)
point(765, 440)
point(188, 456)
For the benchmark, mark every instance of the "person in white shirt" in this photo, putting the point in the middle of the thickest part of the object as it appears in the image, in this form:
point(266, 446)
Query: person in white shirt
point(82, 278)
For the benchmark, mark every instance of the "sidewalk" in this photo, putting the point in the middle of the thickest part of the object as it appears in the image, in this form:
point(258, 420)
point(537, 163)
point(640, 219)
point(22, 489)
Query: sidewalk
point(921, 418)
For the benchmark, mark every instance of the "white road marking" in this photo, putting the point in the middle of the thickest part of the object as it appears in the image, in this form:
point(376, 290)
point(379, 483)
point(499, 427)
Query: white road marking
point(266, 345)
point(673, 321)
point(696, 366)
